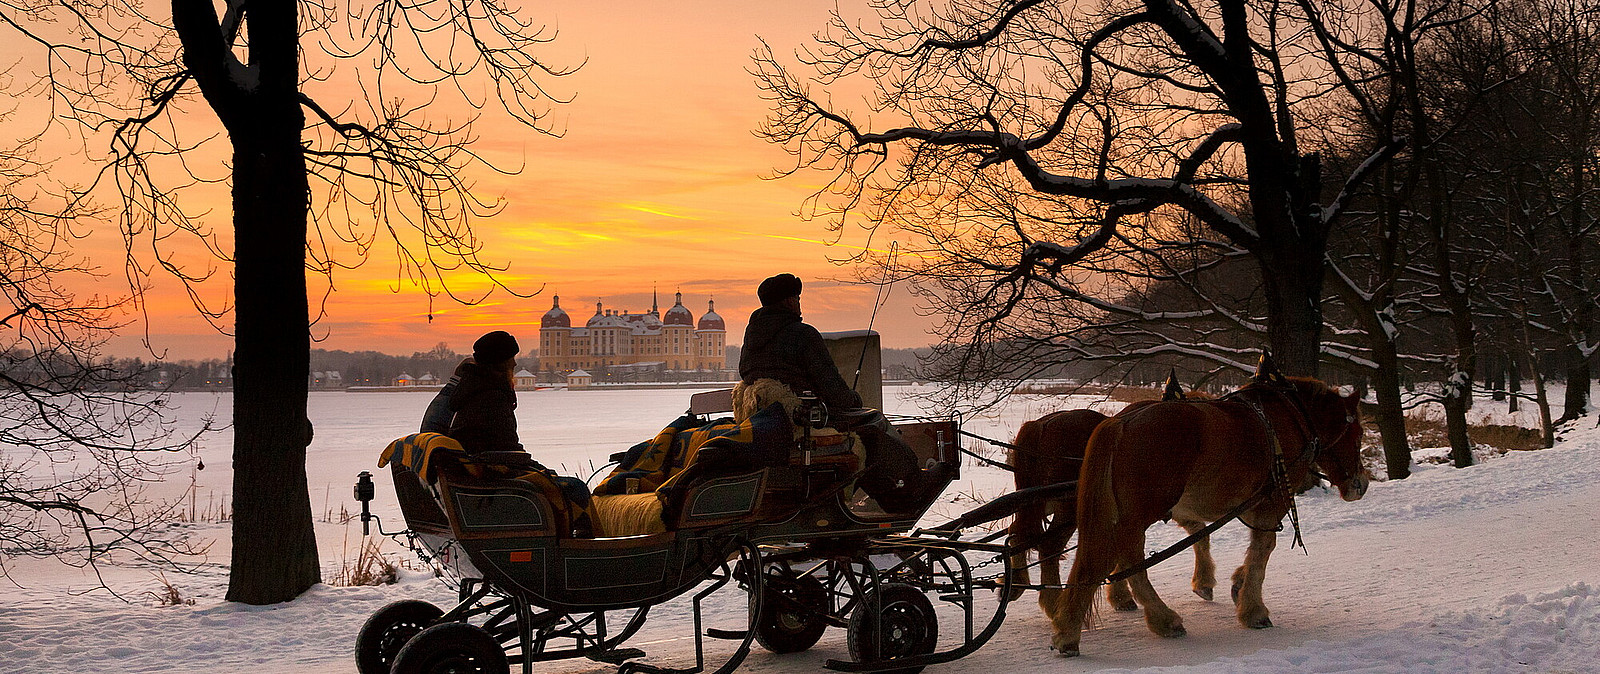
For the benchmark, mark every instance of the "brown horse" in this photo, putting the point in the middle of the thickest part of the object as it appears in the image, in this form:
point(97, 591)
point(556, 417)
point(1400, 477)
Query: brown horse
point(1049, 450)
point(1198, 461)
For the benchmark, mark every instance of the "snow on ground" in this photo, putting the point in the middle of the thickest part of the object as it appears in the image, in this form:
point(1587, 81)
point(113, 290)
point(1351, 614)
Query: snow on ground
point(1491, 568)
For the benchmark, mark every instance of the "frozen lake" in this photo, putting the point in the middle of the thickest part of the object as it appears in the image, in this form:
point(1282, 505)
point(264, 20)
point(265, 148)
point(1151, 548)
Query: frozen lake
point(573, 432)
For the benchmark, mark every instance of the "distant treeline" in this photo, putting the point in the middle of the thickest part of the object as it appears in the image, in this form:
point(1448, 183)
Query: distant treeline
point(373, 368)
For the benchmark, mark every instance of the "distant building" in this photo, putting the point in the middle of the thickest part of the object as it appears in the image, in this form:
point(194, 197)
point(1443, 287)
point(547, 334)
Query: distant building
point(525, 379)
point(579, 379)
point(427, 379)
point(675, 339)
point(405, 379)
point(329, 379)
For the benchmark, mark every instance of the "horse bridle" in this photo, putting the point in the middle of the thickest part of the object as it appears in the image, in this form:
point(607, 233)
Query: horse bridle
point(1313, 440)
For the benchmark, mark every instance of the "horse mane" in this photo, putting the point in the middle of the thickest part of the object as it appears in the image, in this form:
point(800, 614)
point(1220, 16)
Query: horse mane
point(1306, 386)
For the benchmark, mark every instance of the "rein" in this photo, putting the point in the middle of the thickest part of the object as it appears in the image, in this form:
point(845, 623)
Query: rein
point(1279, 479)
point(1189, 540)
point(997, 464)
point(1308, 453)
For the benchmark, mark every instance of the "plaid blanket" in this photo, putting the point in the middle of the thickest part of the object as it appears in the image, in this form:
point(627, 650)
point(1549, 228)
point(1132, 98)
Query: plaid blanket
point(762, 440)
point(422, 453)
point(415, 452)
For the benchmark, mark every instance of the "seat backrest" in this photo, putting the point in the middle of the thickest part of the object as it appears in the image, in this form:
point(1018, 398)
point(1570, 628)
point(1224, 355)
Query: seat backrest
point(711, 402)
point(854, 349)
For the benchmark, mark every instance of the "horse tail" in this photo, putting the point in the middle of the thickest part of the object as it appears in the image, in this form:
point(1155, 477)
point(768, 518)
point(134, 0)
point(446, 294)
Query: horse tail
point(1097, 508)
point(1027, 526)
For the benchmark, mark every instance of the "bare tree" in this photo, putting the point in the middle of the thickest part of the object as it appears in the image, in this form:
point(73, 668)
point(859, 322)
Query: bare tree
point(77, 444)
point(1136, 109)
point(1564, 36)
point(322, 107)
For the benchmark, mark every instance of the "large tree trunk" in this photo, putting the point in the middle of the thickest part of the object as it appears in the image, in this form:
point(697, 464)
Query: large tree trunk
point(1294, 311)
point(1391, 416)
point(1578, 382)
point(274, 545)
point(1578, 374)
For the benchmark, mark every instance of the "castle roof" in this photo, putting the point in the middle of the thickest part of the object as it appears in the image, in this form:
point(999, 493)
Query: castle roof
point(711, 320)
point(556, 317)
point(678, 314)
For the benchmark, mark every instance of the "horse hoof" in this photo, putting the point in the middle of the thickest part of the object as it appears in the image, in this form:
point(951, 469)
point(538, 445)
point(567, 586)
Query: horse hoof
point(1129, 605)
point(1175, 631)
point(1070, 653)
point(1260, 623)
point(1204, 593)
point(1066, 648)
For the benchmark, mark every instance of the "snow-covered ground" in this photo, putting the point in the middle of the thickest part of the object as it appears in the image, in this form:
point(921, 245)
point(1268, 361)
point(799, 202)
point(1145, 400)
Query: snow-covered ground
point(1492, 568)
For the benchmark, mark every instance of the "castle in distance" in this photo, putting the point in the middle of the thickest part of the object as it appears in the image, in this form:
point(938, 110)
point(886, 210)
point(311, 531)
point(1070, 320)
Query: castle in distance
point(616, 343)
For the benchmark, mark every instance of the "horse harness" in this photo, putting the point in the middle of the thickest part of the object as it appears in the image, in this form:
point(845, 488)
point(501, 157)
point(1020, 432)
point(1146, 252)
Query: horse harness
point(1279, 476)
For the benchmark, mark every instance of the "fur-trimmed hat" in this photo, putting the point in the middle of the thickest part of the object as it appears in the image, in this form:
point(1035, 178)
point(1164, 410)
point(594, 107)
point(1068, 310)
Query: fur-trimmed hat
point(495, 347)
point(778, 288)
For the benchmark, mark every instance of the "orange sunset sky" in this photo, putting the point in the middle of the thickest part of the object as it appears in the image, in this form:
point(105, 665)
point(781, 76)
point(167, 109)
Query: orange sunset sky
point(656, 182)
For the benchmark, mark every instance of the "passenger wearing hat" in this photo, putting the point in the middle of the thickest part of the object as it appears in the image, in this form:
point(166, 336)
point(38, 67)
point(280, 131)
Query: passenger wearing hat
point(484, 401)
point(778, 345)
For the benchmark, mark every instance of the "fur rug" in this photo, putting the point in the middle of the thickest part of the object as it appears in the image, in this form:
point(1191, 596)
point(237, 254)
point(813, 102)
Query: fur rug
point(751, 398)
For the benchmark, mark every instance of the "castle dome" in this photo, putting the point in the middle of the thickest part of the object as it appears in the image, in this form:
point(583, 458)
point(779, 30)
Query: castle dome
point(678, 314)
point(556, 317)
point(712, 321)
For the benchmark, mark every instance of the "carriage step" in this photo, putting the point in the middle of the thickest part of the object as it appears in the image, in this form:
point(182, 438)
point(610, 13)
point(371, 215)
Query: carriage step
point(615, 656)
point(732, 635)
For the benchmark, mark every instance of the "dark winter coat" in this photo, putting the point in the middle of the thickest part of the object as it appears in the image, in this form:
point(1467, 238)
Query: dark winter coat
point(485, 407)
point(438, 415)
point(778, 345)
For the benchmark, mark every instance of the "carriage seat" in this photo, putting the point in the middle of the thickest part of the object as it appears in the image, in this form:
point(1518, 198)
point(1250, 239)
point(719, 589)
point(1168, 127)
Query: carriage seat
point(700, 473)
point(433, 457)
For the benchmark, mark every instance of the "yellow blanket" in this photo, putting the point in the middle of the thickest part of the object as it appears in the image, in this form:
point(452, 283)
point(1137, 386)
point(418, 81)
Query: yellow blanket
point(626, 514)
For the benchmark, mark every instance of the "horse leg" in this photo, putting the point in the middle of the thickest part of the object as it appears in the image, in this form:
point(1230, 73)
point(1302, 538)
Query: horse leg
point(1248, 577)
point(1094, 561)
point(1157, 615)
point(1062, 524)
point(1121, 596)
point(1205, 568)
point(1024, 531)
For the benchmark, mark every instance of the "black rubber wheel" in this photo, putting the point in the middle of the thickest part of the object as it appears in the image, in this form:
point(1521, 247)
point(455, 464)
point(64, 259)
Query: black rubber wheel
point(792, 614)
point(909, 626)
point(381, 638)
point(452, 648)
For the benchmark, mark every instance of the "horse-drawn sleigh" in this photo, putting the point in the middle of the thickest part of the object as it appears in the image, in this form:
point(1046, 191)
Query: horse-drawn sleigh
point(544, 575)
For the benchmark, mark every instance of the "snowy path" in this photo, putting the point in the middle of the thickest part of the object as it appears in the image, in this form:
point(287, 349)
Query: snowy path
point(1489, 569)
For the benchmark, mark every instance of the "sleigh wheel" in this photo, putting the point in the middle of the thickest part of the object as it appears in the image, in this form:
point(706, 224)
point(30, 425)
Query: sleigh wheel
point(382, 636)
point(905, 625)
point(793, 613)
point(452, 648)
